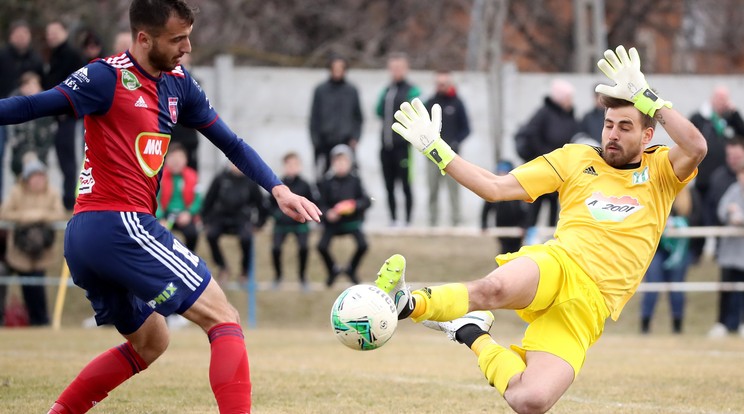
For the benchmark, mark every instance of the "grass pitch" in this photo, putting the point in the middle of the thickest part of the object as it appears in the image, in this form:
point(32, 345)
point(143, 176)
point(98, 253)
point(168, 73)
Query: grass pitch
point(297, 366)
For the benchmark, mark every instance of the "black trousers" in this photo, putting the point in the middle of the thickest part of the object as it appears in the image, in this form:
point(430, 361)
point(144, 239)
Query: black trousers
point(64, 145)
point(324, 245)
point(244, 233)
point(302, 252)
point(395, 168)
point(35, 298)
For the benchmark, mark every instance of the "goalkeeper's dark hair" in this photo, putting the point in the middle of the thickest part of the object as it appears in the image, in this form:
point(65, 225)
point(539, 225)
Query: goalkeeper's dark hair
point(151, 15)
point(610, 102)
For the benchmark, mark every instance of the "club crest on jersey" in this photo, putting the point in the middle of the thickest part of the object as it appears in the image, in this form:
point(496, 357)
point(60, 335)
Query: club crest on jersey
point(640, 177)
point(151, 148)
point(129, 81)
point(609, 208)
point(173, 108)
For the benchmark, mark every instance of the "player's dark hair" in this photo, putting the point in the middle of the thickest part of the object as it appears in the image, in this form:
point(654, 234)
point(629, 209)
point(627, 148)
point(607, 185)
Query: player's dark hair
point(610, 102)
point(152, 15)
point(288, 156)
point(175, 147)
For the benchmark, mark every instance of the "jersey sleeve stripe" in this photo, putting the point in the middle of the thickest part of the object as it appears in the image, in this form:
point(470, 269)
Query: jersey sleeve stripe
point(72, 105)
point(209, 124)
point(553, 167)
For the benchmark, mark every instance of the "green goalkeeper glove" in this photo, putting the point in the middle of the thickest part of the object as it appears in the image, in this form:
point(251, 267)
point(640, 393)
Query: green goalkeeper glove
point(415, 126)
point(630, 83)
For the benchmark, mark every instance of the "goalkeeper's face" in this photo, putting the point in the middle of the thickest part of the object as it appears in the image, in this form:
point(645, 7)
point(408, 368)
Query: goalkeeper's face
point(623, 136)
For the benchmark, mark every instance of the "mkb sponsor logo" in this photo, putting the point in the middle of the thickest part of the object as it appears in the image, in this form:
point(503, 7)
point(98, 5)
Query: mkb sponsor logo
point(151, 148)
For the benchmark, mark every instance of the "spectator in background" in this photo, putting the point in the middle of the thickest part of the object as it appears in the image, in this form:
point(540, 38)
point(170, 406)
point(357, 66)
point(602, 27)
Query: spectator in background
point(550, 128)
point(36, 136)
point(63, 61)
point(234, 204)
point(671, 260)
point(179, 201)
point(720, 180)
point(282, 226)
point(32, 205)
point(335, 115)
point(343, 202)
point(16, 58)
point(188, 138)
point(395, 151)
point(593, 121)
point(455, 128)
point(91, 45)
point(513, 213)
point(718, 121)
point(122, 42)
point(731, 260)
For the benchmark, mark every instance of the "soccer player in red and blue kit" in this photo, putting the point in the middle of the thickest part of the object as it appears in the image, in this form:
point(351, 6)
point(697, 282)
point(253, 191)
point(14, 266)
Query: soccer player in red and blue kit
point(133, 270)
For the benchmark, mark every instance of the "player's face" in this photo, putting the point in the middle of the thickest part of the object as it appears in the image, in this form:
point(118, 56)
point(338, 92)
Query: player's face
point(170, 45)
point(623, 136)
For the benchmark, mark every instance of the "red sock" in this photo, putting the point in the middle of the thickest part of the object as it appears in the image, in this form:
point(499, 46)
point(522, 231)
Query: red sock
point(228, 369)
point(100, 376)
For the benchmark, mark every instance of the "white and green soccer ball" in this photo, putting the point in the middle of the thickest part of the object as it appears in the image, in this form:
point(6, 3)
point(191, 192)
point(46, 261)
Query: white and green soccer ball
point(364, 317)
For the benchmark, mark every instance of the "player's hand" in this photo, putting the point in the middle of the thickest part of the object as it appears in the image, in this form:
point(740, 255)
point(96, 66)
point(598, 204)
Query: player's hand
point(297, 207)
point(415, 126)
point(624, 68)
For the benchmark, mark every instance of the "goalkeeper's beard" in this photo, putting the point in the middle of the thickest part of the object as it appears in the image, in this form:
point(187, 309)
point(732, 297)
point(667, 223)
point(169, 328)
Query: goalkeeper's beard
point(616, 155)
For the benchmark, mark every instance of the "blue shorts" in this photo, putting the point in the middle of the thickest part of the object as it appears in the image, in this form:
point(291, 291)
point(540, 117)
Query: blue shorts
point(131, 266)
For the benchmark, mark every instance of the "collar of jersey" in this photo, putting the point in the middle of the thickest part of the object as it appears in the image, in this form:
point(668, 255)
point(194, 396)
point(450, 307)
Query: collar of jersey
point(141, 70)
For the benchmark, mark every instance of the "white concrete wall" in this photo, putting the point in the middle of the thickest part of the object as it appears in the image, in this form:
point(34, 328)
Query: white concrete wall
point(269, 108)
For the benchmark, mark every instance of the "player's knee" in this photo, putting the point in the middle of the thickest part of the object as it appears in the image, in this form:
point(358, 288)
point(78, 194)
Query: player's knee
point(530, 401)
point(487, 293)
point(150, 347)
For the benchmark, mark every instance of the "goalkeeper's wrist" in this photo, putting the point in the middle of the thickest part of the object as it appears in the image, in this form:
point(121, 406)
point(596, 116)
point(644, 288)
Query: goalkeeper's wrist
point(648, 102)
point(440, 153)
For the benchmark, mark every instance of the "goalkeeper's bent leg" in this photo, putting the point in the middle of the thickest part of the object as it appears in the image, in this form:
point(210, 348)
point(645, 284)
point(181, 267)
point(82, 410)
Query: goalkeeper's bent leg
point(440, 303)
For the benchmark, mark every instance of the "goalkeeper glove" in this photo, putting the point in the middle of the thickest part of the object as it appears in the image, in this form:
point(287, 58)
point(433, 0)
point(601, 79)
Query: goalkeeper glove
point(415, 126)
point(630, 84)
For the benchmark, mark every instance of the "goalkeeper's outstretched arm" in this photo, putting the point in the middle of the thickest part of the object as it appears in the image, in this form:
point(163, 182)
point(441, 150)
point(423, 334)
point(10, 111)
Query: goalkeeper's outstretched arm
point(485, 184)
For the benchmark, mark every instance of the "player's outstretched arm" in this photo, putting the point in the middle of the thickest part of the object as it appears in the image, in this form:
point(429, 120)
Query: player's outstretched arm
point(19, 109)
point(415, 126)
point(297, 207)
point(624, 68)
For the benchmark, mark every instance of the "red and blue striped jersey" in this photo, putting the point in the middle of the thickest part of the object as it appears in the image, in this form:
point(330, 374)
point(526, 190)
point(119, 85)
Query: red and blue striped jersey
point(129, 116)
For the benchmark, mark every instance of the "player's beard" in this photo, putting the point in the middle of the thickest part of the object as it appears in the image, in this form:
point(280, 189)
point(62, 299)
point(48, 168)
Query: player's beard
point(620, 156)
point(160, 60)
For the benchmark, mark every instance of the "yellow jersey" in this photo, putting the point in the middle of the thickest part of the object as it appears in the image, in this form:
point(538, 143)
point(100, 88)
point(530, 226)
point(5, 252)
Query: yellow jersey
point(611, 219)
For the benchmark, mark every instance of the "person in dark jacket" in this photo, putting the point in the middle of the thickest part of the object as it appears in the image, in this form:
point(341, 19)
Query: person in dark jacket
point(593, 121)
point(234, 204)
point(455, 128)
point(507, 214)
point(16, 58)
point(284, 225)
point(394, 151)
point(335, 115)
point(550, 128)
point(343, 202)
point(63, 61)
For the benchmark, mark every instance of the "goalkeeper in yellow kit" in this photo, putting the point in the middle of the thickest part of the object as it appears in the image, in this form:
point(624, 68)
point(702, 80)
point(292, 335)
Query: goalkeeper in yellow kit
point(614, 205)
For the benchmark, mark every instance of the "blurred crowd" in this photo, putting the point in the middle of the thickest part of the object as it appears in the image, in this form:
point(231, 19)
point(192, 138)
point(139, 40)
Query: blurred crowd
point(231, 204)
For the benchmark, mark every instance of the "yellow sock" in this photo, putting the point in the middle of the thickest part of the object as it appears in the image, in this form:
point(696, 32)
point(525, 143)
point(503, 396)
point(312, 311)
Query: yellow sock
point(440, 303)
point(499, 364)
point(481, 343)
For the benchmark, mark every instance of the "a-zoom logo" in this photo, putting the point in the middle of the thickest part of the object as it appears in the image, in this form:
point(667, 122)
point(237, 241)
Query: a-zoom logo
point(163, 296)
point(608, 208)
point(151, 148)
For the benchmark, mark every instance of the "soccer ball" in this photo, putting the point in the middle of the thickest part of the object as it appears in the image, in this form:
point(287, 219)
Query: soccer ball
point(364, 317)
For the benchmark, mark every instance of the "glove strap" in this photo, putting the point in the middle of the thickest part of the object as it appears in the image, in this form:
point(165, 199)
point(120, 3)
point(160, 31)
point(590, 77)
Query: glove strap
point(648, 102)
point(440, 154)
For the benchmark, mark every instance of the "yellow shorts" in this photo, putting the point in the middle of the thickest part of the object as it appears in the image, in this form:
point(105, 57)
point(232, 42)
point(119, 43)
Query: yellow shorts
point(568, 313)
